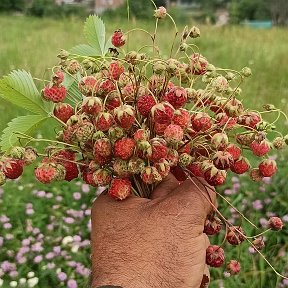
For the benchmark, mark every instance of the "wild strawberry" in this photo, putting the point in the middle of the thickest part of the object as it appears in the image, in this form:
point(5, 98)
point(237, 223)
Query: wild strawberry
point(63, 111)
point(113, 101)
point(115, 133)
point(125, 116)
point(260, 149)
point(181, 117)
point(162, 113)
point(46, 172)
point(87, 176)
point(101, 160)
point(255, 175)
point(195, 169)
point(124, 148)
point(92, 105)
point(234, 107)
point(128, 92)
point(173, 133)
point(215, 256)
point(201, 121)
point(150, 175)
point(222, 119)
point(177, 97)
point(17, 152)
point(141, 134)
point(120, 189)
point(162, 167)
point(12, 168)
point(73, 66)
point(240, 166)
point(172, 157)
point(145, 104)
point(159, 150)
point(275, 223)
point(102, 147)
point(116, 69)
point(84, 131)
point(222, 160)
point(249, 119)
point(155, 84)
point(220, 84)
point(2, 178)
point(179, 173)
point(88, 86)
point(103, 121)
point(235, 235)
point(106, 86)
point(120, 168)
point(64, 154)
point(234, 150)
point(267, 168)
point(136, 165)
point(245, 139)
point(160, 13)
point(198, 64)
point(233, 267)
point(118, 38)
point(219, 141)
point(212, 225)
point(185, 159)
point(30, 155)
point(215, 177)
point(54, 93)
point(58, 77)
point(160, 128)
point(102, 177)
point(259, 243)
point(279, 143)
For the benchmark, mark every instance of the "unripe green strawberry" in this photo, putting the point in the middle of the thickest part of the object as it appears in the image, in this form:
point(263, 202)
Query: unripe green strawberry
point(246, 72)
point(220, 84)
point(150, 175)
point(2, 178)
point(136, 165)
point(116, 133)
point(30, 155)
point(141, 134)
point(279, 143)
point(245, 139)
point(84, 132)
point(102, 177)
point(159, 67)
point(162, 167)
point(17, 152)
point(73, 67)
point(194, 32)
point(219, 141)
point(185, 159)
point(120, 167)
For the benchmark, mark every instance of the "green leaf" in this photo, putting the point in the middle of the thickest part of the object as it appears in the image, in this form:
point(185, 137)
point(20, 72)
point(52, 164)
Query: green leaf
point(23, 124)
point(72, 87)
point(19, 89)
point(108, 45)
point(85, 50)
point(94, 32)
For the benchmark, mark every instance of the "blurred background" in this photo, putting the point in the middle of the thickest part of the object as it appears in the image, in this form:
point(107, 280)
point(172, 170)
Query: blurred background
point(44, 229)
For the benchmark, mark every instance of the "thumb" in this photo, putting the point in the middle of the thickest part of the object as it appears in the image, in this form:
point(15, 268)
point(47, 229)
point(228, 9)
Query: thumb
point(168, 184)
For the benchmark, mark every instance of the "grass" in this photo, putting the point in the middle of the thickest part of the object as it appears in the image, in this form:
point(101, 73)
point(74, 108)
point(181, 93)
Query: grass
point(32, 44)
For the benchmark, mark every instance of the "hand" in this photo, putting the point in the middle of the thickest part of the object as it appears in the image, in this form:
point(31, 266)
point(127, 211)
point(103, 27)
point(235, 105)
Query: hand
point(157, 242)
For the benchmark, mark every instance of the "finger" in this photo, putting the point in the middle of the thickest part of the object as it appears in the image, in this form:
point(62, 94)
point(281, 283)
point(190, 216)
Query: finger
point(165, 187)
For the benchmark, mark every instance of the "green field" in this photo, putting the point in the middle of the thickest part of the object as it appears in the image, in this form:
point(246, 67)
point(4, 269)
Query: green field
point(32, 44)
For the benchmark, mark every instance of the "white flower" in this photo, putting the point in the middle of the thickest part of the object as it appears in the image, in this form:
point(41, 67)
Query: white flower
point(66, 240)
point(1, 282)
point(32, 282)
point(75, 248)
point(58, 270)
point(22, 280)
point(30, 274)
point(13, 284)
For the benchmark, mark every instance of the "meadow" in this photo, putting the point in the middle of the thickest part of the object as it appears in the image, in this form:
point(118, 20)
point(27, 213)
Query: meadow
point(44, 229)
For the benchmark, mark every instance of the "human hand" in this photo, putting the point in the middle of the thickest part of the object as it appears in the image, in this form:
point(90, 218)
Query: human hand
point(157, 242)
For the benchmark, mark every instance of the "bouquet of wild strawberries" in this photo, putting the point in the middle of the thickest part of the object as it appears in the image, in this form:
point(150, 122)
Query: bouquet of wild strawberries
point(129, 118)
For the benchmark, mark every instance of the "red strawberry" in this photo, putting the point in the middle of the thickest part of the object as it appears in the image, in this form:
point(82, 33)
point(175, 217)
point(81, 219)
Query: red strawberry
point(150, 175)
point(113, 101)
point(201, 121)
point(267, 168)
point(177, 97)
point(116, 69)
point(196, 169)
point(12, 168)
point(162, 167)
point(212, 226)
point(260, 149)
point(222, 160)
point(215, 177)
point(159, 150)
point(181, 117)
point(106, 87)
point(125, 116)
point(58, 77)
point(54, 93)
point(49, 171)
point(87, 176)
point(240, 166)
point(222, 119)
point(124, 148)
point(104, 121)
point(173, 133)
point(102, 177)
point(275, 223)
point(120, 168)
point(141, 134)
point(128, 92)
point(178, 173)
point(118, 38)
point(92, 105)
point(160, 128)
point(219, 141)
point(88, 86)
point(234, 150)
point(102, 147)
point(120, 189)
point(234, 107)
point(198, 64)
point(233, 267)
point(172, 157)
point(215, 256)
point(101, 160)
point(63, 111)
point(249, 119)
point(145, 104)
point(162, 113)
point(234, 237)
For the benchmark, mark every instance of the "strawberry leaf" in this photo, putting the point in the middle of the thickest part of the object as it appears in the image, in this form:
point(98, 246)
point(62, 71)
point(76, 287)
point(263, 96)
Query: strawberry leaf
point(85, 50)
point(18, 88)
point(94, 32)
point(23, 124)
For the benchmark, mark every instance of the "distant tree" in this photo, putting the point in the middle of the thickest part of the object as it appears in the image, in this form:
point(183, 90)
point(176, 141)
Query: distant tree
point(279, 11)
point(12, 5)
